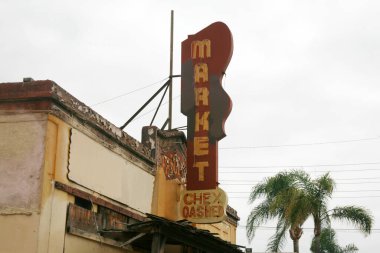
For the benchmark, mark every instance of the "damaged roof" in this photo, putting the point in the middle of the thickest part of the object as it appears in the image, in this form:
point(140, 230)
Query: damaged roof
point(181, 232)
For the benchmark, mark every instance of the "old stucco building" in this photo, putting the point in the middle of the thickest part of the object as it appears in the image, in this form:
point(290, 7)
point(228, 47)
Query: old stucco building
point(73, 182)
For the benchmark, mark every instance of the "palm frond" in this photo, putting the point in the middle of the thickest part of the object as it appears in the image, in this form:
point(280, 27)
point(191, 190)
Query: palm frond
point(277, 241)
point(350, 248)
point(257, 191)
point(358, 216)
point(325, 185)
point(259, 215)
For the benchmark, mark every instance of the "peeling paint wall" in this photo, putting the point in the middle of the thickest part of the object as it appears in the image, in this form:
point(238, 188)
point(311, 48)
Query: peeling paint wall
point(22, 147)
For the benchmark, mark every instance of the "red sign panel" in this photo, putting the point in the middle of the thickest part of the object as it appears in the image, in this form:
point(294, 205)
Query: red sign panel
point(205, 57)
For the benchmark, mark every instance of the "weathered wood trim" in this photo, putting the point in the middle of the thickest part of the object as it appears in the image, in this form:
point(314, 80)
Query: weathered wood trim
point(98, 201)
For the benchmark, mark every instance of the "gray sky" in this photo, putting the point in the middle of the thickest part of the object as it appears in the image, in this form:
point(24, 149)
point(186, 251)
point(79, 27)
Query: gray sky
point(303, 72)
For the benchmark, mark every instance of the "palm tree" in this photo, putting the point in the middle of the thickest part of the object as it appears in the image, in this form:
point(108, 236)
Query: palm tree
point(292, 197)
point(314, 202)
point(329, 243)
point(280, 193)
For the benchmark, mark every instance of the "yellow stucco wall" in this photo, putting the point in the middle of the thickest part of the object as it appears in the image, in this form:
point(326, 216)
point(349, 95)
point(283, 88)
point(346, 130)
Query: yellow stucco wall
point(21, 154)
point(18, 233)
point(225, 230)
point(166, 196)
point(34, 153)
point(87, 160)
point(53, 202)
point(75, 244)
point(58, 151)
point(36, 146)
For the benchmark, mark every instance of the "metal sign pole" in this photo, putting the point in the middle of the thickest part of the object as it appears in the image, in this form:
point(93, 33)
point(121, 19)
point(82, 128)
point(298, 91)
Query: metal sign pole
point(171, 70)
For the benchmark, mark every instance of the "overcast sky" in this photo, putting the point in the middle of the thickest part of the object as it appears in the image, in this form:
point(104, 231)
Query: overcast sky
point(303, 72)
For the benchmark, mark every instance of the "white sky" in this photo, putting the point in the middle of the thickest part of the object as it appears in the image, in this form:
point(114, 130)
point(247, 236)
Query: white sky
point(302, 72)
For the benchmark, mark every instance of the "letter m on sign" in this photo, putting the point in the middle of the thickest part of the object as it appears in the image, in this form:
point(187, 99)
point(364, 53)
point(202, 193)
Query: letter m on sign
point(199, 48)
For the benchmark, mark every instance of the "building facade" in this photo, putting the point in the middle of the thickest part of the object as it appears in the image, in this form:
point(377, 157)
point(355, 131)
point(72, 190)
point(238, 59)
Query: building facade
point(71, 181)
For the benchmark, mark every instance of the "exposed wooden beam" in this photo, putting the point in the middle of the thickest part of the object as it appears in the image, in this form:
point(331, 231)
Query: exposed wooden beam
point(97, 200)
point(132, 239)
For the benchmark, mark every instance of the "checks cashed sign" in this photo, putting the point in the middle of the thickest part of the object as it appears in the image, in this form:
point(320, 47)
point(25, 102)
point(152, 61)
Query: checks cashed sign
point(205, 57)
point(204, 206)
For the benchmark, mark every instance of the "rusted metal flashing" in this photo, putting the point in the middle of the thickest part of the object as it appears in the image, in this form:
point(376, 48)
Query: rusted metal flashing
point(47, 95)
point(99, 201)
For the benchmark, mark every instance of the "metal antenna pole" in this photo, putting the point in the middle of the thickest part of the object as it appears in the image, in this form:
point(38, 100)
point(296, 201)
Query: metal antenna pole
point(171, 70)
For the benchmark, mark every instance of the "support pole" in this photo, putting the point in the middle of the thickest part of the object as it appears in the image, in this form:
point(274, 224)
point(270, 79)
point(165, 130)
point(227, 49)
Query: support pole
point(158, 107)
point(171, 70)
point(146, 103)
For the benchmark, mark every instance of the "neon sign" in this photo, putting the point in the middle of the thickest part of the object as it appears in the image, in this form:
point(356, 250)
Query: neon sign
point(205, 57)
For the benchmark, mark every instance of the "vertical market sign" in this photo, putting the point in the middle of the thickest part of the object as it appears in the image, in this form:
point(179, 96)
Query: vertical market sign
point(205, 57)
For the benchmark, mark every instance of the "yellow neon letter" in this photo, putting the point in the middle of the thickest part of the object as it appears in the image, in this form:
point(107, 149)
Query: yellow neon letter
point(201, 72)
point(201, 121)
point(199, 46)
point(201, 95)
point(201, 146)
point(201, 170)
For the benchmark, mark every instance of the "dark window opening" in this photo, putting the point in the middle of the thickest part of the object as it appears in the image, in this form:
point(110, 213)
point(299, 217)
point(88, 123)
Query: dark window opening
point(86, 204)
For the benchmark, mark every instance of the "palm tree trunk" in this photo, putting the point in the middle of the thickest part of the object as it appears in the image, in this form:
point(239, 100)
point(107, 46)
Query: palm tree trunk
point(296, 246)
point(317, 234)
point(295, 234)
point(317, 240)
